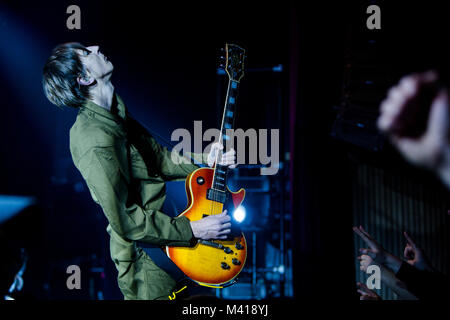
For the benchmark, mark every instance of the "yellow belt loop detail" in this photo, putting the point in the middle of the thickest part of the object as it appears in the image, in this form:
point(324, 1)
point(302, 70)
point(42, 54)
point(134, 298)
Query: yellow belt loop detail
point(174, 293)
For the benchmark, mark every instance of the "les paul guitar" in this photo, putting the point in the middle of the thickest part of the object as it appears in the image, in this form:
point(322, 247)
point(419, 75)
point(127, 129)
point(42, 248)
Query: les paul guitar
point(215, 263)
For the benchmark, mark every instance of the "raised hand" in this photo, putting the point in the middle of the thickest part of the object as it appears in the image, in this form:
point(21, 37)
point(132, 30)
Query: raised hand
point(402, 113)
point(212, 227)
point(364, 262)
point(415, 255)
point(376, 251)
point(366, 293)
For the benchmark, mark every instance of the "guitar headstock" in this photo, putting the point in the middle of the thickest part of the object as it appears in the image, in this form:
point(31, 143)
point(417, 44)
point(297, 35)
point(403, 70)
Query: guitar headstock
point(234, 61)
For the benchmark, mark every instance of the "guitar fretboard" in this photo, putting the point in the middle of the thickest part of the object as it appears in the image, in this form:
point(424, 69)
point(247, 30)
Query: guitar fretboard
point(229, 112)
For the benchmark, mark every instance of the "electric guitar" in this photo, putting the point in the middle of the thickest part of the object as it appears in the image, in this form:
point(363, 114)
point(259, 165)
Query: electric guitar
point(215, 263)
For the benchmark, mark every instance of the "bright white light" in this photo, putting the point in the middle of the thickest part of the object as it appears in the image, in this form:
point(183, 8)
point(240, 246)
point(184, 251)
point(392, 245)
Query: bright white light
point(239, 214)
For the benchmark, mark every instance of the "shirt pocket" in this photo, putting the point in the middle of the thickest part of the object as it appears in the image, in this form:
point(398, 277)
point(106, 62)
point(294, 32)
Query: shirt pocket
point(140, 167)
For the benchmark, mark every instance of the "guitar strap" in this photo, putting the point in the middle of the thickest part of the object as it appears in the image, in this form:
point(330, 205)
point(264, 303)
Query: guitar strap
point(156, 252)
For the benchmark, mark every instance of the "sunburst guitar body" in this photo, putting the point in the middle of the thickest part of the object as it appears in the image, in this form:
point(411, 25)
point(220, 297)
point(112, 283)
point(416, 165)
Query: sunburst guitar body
point(213, 262)
point(216, 262)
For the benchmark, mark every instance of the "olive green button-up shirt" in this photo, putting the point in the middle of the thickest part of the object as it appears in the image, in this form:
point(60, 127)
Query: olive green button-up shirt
point(131, 201)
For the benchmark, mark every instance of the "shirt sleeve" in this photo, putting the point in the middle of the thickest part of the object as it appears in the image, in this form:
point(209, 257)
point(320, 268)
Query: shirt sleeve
point(173, 165)
point(423, 284)
point(110, 188)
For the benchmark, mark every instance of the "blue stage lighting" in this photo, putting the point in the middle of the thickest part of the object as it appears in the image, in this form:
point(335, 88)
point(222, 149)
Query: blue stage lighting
point(239, 214)
point(12, 205)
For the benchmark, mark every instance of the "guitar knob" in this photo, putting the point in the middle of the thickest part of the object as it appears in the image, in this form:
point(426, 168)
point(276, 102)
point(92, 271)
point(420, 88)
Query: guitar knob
point(236, 262)
point(227, 250)
point(200, 180)
point(225, 266)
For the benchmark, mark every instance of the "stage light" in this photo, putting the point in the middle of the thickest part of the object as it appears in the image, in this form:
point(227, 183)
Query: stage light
point(239, 214)
point(12, 205)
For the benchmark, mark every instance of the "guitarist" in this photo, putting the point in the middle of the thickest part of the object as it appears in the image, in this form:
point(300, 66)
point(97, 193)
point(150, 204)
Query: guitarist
point(125, 170)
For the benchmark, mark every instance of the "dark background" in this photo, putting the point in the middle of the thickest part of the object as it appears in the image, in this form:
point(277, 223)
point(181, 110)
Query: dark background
point(165, 59)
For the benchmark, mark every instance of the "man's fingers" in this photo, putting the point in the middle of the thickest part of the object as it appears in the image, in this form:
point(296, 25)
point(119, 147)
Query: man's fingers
point(224, 231)
point(365, 233)
point(217, 146)
point(409, 239)
point(368, 252)
point(439, 115)
point(360, 292)
point(412, 148)
point(224, 217)
point(400, 96)
point(359, 233)
point(364, 288)
point(408, 253)
point(365, 236)
point(230, 153)
point(429, 76)
point(228, 162)
point(226, 225)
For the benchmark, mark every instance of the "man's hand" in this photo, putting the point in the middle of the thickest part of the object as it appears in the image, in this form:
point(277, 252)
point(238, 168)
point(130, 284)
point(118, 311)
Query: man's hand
point(227, 159)
point(366, 293)
point(376, 251)
point(364, 262)
point(415, 255)
point(401, 112)
point(212, 227)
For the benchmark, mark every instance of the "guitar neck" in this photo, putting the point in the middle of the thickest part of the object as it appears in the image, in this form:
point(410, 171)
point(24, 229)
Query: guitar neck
point(229, 114)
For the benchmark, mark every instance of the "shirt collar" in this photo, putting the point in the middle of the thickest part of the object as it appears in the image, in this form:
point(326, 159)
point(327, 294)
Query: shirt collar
point(117, 115)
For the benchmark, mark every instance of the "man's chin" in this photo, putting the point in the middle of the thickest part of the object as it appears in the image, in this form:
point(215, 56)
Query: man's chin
point(110, 68)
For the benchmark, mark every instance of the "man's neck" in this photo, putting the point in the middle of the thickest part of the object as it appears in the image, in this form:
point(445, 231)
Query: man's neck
point(102, 94)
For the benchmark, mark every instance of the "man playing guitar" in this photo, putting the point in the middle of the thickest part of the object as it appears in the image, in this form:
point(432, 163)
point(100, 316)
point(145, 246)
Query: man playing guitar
point(125, 169)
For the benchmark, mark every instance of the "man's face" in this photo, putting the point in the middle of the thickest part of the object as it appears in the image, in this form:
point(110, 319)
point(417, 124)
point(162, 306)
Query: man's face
point(95, 62)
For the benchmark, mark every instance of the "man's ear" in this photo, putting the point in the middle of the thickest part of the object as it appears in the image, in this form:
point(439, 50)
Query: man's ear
point(85, 81)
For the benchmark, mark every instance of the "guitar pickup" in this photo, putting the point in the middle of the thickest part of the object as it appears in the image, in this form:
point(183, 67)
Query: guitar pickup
point(216, 195)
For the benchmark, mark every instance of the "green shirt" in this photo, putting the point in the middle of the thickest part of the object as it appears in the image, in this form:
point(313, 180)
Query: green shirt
point(131, 201)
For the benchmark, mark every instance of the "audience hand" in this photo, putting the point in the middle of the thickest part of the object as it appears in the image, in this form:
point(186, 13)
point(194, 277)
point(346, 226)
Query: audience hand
point(376, 251)
point(366, 293)
point(364, 262)
point(415, 255)
point(431, 149)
